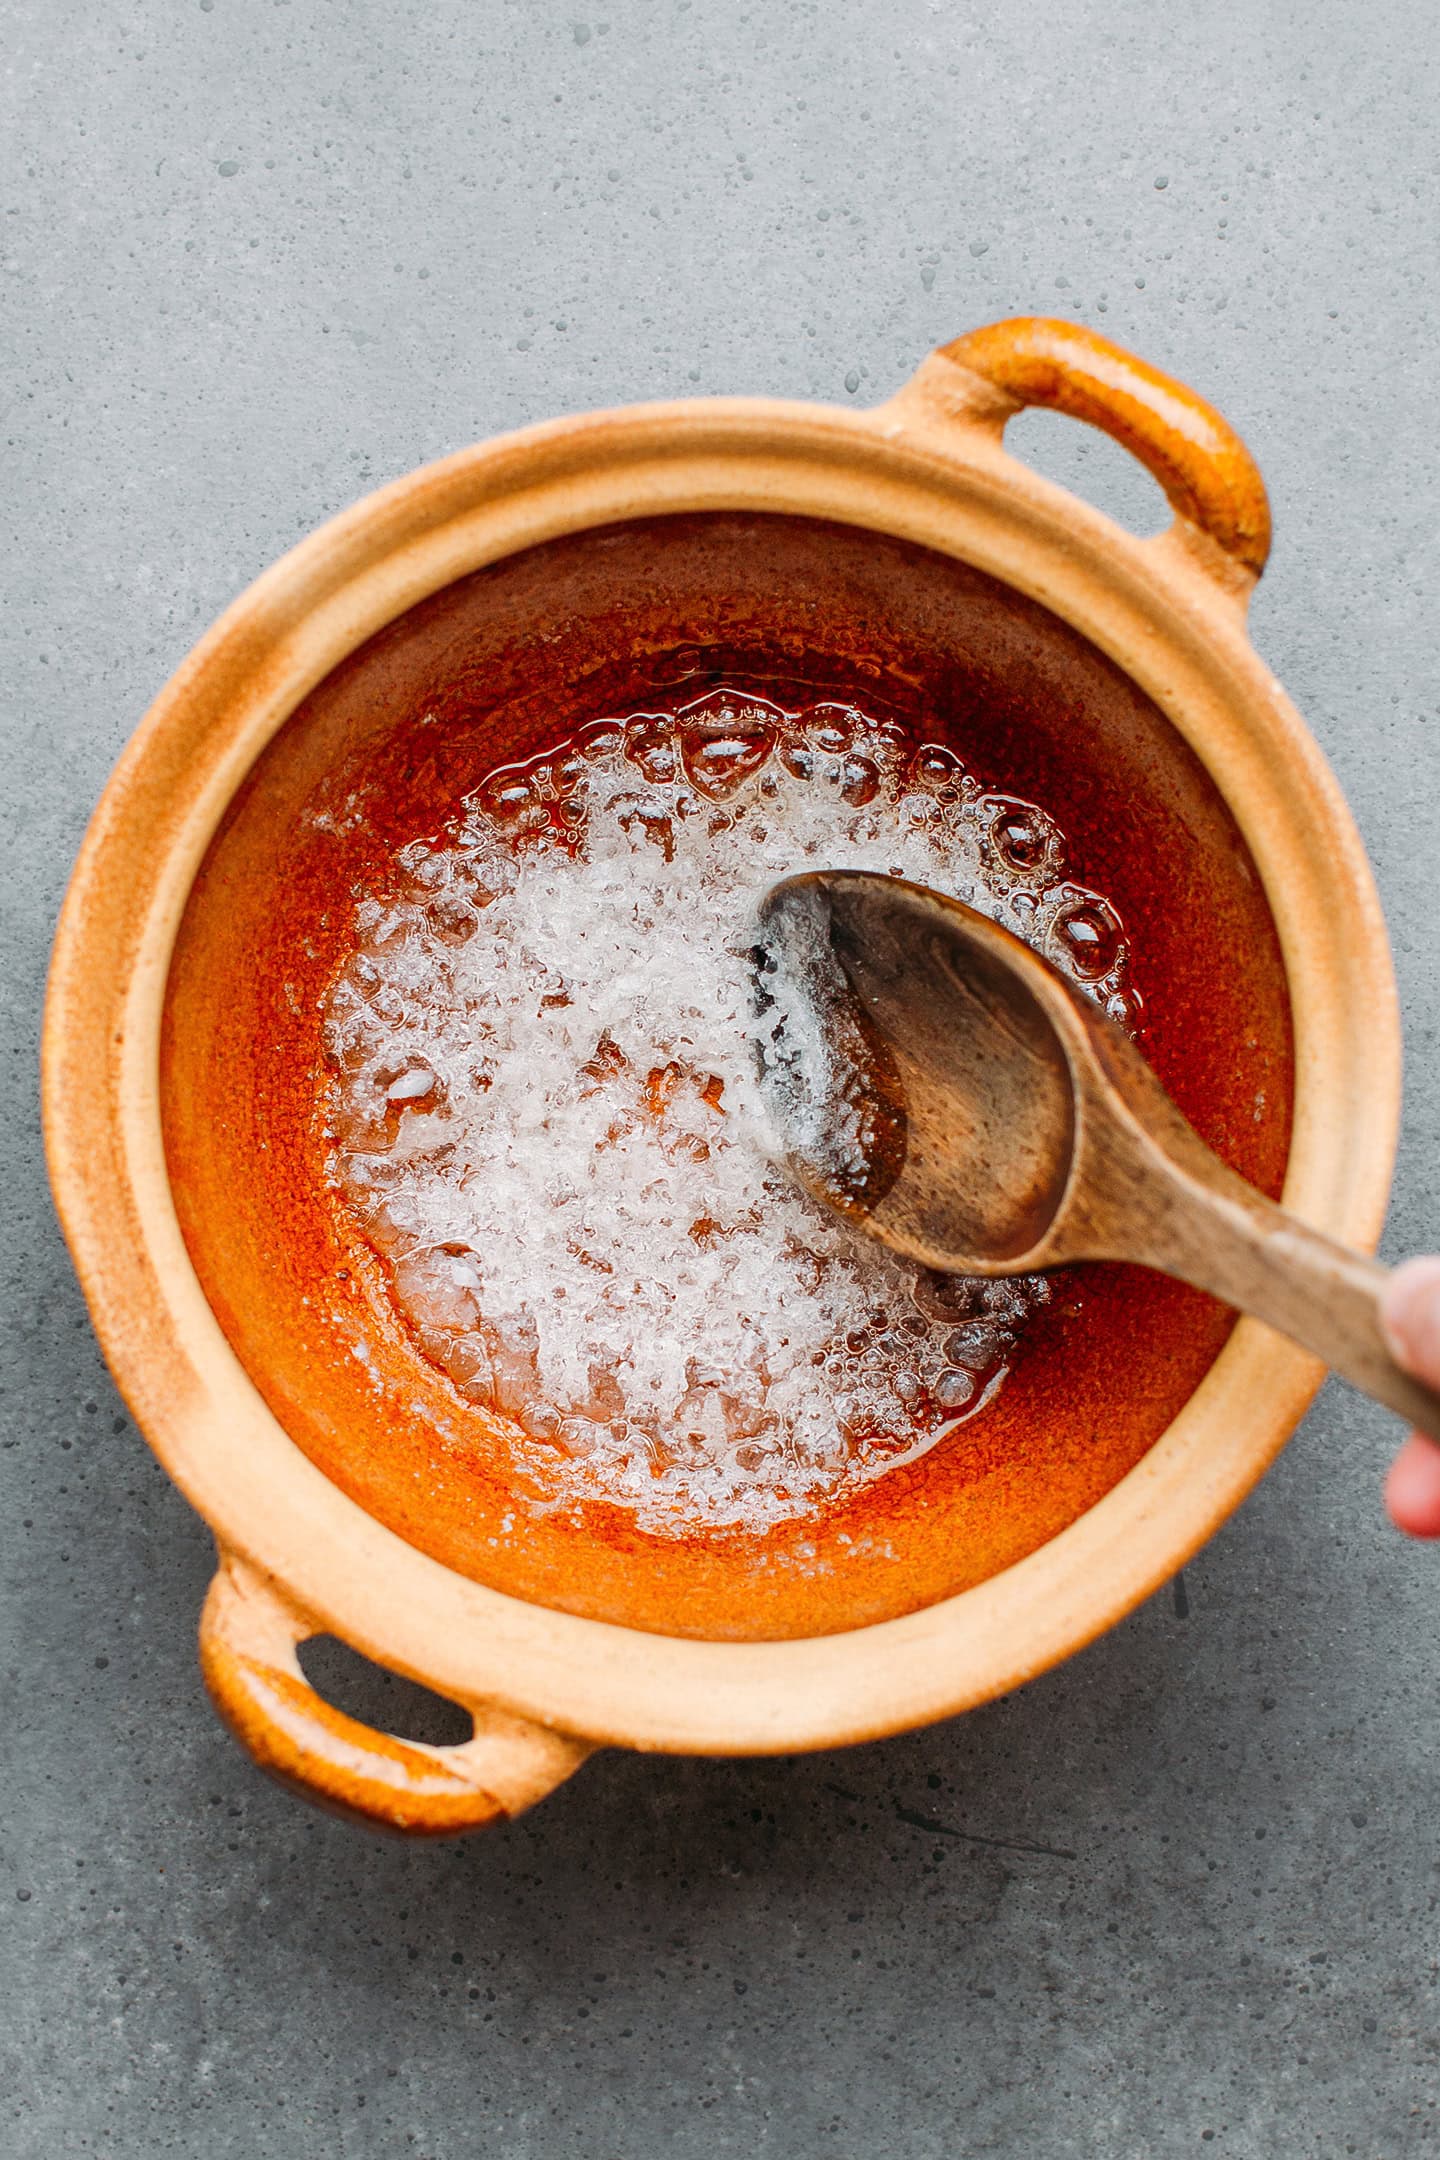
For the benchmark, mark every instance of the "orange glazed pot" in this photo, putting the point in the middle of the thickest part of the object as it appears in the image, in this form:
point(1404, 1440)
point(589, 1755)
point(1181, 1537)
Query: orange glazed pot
point(475, 612)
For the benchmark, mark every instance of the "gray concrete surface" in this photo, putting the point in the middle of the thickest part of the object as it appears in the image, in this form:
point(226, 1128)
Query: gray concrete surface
point(258, 257)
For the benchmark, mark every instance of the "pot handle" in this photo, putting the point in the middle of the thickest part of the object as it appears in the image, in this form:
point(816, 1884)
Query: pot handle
point(1212, 481)
point(249, 1634)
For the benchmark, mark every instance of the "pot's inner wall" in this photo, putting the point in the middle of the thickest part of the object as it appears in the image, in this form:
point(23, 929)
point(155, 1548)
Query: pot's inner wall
point(498, 666)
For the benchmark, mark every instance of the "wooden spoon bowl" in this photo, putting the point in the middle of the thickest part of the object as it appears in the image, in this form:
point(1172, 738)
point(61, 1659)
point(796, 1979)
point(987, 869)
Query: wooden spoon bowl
point(1023, 1130)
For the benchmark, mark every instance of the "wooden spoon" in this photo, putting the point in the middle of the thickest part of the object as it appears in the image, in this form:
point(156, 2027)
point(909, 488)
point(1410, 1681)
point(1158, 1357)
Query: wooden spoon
point(943, 1086)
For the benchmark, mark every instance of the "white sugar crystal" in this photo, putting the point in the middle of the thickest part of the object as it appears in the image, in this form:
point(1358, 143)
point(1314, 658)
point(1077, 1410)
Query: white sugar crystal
point(411, 1085)
point(547, 1116)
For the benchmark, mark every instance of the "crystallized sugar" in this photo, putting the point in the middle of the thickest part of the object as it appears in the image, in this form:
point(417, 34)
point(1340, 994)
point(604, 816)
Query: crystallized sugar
point(547, 1117)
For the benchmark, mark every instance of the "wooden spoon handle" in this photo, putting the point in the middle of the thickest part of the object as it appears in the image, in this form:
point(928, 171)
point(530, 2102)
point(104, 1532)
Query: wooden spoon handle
point(1221, 1235)
point(1164, 1198)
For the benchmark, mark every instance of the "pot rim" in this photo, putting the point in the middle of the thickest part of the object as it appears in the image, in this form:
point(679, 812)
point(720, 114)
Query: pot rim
point(927, 466)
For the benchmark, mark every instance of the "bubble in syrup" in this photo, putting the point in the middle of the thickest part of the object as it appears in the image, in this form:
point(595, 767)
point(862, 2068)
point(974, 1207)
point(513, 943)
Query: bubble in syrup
point(1025, 841)
point(976, 1345)
point(797, 755)
point(954, 1388)
point(1087, 937)
point(935, 767)
point(511, 797)
point(831, 728)
point(717, 763)
point(859, 781)
point(452, 920)
point(602, 739)
point(425, 868)
point(650, 745)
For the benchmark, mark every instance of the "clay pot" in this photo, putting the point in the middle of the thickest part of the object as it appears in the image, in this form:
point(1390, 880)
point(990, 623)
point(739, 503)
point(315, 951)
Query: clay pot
point(467, 614)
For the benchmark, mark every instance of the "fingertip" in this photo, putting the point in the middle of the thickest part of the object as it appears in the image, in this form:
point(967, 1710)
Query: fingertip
point(1410, 1314)
point(1412, 1489)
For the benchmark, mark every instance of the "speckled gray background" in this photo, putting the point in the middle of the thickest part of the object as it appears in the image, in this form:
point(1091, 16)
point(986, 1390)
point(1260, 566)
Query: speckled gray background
point(257, 257)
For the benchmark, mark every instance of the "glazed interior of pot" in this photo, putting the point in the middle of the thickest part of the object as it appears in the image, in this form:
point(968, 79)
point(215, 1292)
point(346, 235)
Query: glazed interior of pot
point(514, 660)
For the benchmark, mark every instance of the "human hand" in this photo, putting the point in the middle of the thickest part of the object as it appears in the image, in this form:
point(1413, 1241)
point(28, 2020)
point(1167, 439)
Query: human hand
point(1410, 1319)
